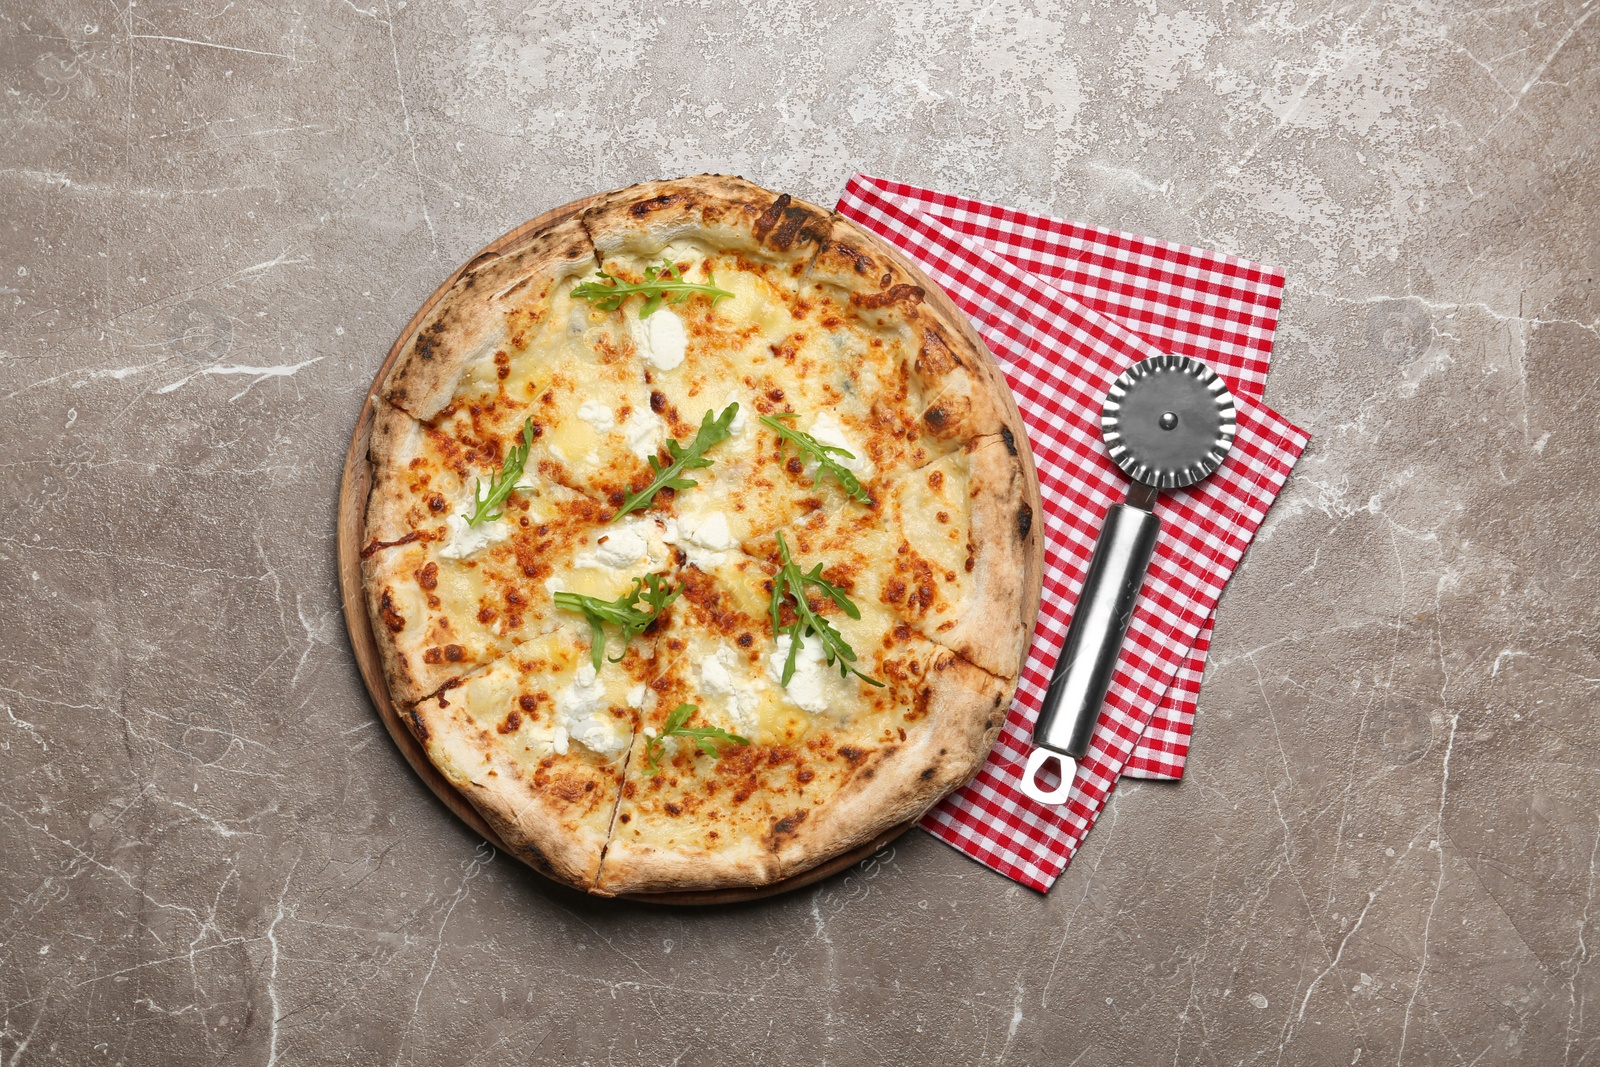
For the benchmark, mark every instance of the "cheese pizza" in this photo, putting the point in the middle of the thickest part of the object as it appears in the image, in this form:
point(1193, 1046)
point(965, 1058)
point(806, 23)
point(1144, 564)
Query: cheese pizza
point(700, 547)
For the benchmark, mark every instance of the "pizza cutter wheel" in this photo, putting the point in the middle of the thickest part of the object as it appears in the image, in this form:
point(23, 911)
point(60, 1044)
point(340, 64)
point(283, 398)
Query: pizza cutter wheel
point(1168, 422)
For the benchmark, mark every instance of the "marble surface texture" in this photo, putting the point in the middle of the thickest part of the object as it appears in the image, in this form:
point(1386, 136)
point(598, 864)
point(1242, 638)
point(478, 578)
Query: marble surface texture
point(215, 216)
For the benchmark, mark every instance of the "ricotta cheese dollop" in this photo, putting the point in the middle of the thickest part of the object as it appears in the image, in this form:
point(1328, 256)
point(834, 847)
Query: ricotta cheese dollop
point(625, 545)
point(705, 539)
point(738, 423)
point(620, 548)
point(597, 415)
point(809, 686)
point(462, 540)
point(829, 432)
point(717, 680)
point(660, 338)
point(644, 431)
point(583, 715)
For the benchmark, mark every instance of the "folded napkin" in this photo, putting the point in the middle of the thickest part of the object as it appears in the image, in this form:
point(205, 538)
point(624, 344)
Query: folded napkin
point(1066, 308)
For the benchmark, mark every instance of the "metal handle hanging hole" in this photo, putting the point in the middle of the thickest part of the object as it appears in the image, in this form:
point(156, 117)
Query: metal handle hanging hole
point(1065, 767)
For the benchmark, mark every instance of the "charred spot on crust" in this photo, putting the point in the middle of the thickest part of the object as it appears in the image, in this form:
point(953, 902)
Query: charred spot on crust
point(1010, 441)
point(418, 727)
point(527, 703)
point(804, 775)
point(428, 576)
point(935, 357)
point(911, 294)
point(375, 546)
point(785, 828)
point(437, 504)
point(391, 617)
point(928, 774)
point(936, 417)
point(1024, 521)
point(454, 653)
point(536, 857)
point(935, 479)
point(658, 401)
point(513, 721)
point(784, 222)
point(428, 338)
point(644, 207)
point(852, 755)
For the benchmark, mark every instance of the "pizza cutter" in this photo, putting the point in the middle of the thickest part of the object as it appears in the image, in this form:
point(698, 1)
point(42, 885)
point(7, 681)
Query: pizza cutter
point(1168, 422)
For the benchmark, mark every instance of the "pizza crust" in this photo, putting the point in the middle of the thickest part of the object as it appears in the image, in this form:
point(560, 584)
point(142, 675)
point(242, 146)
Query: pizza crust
point(964, 709)
point(967, 707)
point(954, 372)
point(727, 213)
point(469, 324)
point(544, 831)
point(995, 626)
point(393, 507)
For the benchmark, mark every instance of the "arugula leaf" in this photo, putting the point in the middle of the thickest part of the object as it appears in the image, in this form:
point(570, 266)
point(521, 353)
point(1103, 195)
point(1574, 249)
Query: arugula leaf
point(663, 284)
point(822, 453)
point(669, 475)
point(620, 612)
point(491, 501)
point(704, 736)
point(791, 582)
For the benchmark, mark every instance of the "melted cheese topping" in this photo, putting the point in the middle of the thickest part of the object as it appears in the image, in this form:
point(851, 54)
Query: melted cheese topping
point(605, 391)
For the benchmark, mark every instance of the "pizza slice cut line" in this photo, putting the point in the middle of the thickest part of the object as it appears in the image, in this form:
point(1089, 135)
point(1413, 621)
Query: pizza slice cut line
point(753, 811)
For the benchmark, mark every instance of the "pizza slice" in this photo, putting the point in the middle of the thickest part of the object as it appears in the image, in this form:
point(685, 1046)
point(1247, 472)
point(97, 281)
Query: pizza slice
point(510, 352)
point(537, 741)
point(451, 594)
point(820, 383)
point(944, 548)
point(749, 768)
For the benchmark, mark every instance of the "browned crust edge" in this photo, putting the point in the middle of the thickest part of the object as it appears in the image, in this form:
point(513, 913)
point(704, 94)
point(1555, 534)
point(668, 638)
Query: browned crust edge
point(727, 212)
point(396, 441)
point(535, 832)
point(465, 325)
point(965, 395)
point(995, 626)
point(966, 707)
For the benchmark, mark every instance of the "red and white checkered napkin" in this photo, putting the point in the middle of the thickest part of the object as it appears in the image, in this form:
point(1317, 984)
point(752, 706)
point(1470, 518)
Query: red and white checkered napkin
point(1066, 308)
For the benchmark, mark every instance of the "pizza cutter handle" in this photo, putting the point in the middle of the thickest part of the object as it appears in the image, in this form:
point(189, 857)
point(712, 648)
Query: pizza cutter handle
point(1088, 657)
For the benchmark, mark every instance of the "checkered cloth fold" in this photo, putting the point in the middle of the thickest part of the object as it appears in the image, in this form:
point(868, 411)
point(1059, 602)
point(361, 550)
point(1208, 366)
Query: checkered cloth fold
point(1066, 308)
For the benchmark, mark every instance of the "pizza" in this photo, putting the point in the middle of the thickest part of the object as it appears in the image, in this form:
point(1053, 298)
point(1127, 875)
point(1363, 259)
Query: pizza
point(700, 546)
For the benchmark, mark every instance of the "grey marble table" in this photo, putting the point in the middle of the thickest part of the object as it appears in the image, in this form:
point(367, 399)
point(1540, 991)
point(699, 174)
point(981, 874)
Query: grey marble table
point(217, 215)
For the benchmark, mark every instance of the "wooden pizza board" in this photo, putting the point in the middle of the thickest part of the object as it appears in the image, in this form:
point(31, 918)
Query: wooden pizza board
point(356, 486)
